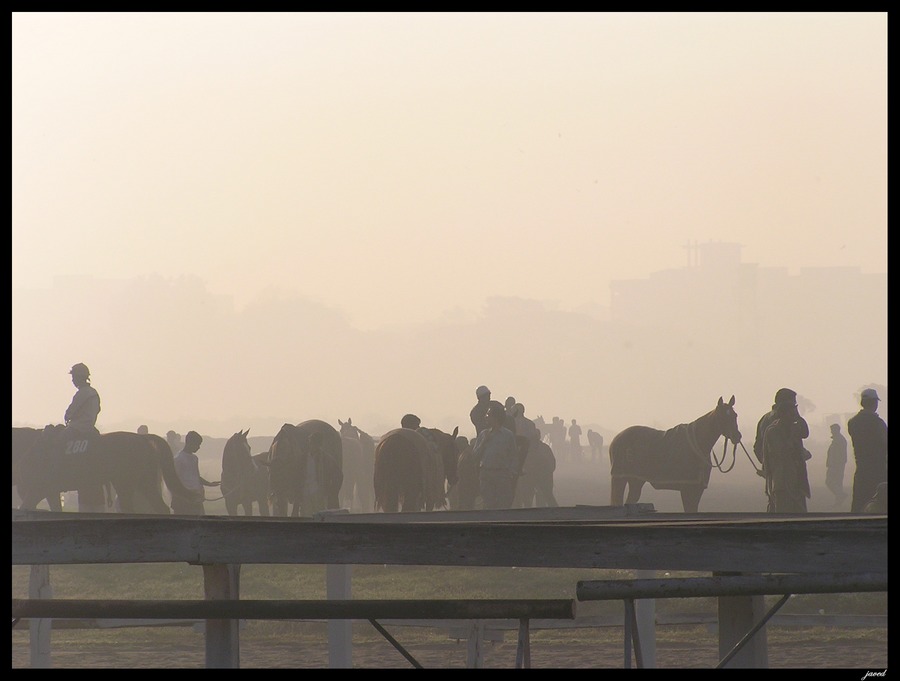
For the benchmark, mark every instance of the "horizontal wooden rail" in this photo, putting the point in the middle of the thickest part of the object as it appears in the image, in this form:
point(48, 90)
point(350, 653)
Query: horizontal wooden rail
point(729, 585)
point(775, 544)
point(297, 609)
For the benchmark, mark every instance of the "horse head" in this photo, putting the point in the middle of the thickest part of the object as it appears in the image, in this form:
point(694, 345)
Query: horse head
point(236, 454)
point(348, 429)
point(726, 420)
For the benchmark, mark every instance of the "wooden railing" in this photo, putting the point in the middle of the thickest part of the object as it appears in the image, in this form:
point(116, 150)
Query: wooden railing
point(813, 548)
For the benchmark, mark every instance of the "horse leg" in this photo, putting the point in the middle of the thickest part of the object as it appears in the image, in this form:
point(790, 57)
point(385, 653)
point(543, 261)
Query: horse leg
point(617, 491)
point(126, 499)
point(262, 500)
point(392, 504)
point(634, 491)
point(690, 499)
point(157, 503)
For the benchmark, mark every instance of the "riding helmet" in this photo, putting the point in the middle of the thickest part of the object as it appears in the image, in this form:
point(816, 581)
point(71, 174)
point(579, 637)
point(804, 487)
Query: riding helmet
point(80, 370)
point(785, 395)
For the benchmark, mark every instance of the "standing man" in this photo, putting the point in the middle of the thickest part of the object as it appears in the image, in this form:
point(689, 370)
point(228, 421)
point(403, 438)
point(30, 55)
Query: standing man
point(525, 426)
point(187, 465)
point(835, 463)
point(498, 460)
point(479, 411)
point(784, 461)
point(575, 441)
point(787, 397)
point(510, 407)
point(868, 433)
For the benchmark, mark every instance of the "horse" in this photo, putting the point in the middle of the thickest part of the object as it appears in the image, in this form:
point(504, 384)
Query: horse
point(130, 461)
point(413, 467)
point(295, 478)
point(22, 441)
point(244, 479)
point(676, 459)
point(535, 485)
point(359, 466)
point(91, 499)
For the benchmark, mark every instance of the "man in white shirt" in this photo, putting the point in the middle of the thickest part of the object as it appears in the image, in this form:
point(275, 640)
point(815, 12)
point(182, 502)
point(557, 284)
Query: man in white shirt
point(187, 465)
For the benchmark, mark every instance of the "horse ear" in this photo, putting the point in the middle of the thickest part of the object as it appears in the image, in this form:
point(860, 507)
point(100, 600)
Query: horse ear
point(731, 401)
point(721, 401)
point(246, 431)
point(340, 423)
point(349, 421)
point(455, 432)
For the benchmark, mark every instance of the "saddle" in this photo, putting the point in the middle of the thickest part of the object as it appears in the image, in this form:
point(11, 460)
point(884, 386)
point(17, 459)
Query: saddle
point(70, 445)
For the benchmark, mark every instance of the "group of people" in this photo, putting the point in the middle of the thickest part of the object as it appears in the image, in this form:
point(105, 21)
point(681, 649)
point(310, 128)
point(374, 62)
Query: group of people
point(566, 442)
point(515, 465)
point(779, 448)
point(504, 438)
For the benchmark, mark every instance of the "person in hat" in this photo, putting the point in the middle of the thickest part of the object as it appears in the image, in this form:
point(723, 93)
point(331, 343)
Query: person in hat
point(784, 460)
point(868, 433)
point(80, 427)
point(478, 413)
point(787, 397)
point(81, 416)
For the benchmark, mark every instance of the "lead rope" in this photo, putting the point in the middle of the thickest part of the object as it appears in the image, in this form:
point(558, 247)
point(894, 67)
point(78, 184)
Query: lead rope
point(235, 489)
point(718, 463)
point(759, 471)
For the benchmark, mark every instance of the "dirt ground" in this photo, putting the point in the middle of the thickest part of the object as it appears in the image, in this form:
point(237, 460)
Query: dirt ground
point(693, 647)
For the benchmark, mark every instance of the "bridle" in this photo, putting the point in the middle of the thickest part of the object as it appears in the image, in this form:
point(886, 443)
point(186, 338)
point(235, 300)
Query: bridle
point(719, 463)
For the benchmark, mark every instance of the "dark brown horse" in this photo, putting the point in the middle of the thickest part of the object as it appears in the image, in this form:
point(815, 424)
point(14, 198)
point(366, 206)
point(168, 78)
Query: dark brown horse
point(130, 461)
point(22, 441)
point(676, 459)
point(93, 499)
point(245, 481)
point(413, 469)
point(299, 480)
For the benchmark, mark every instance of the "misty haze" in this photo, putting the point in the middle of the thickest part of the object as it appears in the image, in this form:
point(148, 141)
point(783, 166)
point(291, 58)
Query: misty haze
point(338, 266)
point(174, 356)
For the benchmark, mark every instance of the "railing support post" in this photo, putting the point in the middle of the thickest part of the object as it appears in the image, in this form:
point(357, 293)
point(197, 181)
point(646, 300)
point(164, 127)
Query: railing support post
point(39, 630)
point(737, 616)
point(338, 580)
point(223, 648)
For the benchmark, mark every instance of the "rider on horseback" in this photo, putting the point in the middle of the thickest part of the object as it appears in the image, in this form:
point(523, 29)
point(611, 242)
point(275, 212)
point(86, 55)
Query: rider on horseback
point(81, 416)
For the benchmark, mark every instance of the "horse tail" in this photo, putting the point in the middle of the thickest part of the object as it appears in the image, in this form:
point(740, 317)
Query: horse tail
point(398, 478)
point(166, 461)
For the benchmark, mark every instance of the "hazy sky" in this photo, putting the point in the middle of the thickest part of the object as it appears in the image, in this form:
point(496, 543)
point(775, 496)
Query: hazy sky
point(406, 166)
point(385, 169)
